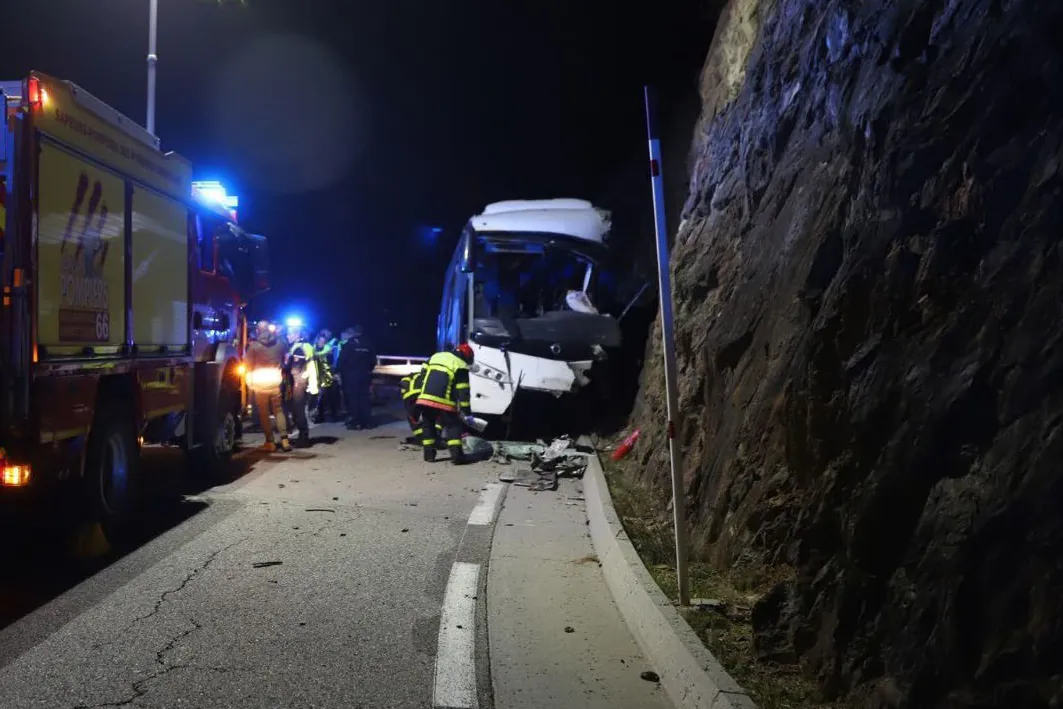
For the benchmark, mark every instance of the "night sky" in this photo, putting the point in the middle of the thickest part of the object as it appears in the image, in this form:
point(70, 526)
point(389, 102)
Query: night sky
point(345, 127)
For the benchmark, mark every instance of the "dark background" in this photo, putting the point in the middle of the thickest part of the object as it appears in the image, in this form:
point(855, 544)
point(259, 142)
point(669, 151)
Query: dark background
point(348, 129)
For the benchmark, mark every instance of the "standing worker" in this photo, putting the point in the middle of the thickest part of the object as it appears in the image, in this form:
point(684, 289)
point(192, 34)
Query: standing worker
point(341, 388)
point(327, 400)
point(265, 361)
point(302, 380)
point(356, 364)
point(445, 400)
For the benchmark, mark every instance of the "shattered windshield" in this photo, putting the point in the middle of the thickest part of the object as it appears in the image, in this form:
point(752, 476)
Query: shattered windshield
point(520, 280)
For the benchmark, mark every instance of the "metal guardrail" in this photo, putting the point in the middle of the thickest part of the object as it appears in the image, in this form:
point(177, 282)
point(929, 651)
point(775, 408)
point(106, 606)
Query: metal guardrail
point(397, 365)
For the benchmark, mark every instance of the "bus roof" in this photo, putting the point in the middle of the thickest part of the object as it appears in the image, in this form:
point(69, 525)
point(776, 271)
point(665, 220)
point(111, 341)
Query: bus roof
point(522, 205)
point(575, 218)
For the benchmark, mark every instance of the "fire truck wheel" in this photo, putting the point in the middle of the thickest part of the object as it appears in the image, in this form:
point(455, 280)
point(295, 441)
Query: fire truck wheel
point(216, 459)
point(112, 466)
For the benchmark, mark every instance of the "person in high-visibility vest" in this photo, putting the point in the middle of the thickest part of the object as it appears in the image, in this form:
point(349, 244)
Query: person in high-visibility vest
point(302, 381)
point(445, 399)
point(328, 399)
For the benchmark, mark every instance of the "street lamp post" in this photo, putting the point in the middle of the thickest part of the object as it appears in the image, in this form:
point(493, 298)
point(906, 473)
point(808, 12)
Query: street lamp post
point(153, 60)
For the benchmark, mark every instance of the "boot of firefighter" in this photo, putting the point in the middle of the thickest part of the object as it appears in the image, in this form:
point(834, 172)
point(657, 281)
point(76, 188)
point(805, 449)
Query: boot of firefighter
point(457, 454)
point(429, 454)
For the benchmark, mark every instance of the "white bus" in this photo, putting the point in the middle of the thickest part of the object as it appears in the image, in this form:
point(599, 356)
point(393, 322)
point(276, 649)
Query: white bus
point(524, 289)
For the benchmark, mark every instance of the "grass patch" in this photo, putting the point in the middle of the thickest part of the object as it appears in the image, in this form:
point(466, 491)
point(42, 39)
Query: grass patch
point(724, 626)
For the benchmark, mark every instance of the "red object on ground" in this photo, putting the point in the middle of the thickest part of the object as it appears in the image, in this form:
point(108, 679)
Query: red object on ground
point(624, 448)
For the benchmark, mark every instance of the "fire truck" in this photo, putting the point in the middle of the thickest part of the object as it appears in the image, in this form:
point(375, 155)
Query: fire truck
point(123, 290)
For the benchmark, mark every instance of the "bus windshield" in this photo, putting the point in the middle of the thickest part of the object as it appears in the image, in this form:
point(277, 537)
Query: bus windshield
point(518, 279)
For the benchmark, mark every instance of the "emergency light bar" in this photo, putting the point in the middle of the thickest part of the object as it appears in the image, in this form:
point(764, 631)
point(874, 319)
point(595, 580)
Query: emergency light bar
point(213, 191)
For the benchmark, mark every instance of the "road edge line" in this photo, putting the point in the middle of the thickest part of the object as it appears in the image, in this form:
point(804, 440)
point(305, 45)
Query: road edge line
point(454, 682)
point(487, 507)
point(690, 675)
point(473, 550)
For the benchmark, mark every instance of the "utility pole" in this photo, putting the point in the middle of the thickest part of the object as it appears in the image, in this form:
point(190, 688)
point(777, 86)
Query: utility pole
point(664, 282)
point(153, 60)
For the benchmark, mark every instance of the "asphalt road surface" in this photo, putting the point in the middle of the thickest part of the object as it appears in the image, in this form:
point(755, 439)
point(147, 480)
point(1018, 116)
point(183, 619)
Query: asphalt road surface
point(317, 579)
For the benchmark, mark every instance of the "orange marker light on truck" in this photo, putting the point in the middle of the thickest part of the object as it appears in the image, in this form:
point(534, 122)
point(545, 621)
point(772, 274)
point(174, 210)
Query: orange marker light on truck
point(241, 369)
point(36, 96)
point(15, 475)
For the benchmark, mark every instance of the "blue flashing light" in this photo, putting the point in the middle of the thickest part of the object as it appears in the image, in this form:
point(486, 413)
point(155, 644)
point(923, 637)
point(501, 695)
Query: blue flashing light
point(214, 192)
point(293, 321)
point(429, 234)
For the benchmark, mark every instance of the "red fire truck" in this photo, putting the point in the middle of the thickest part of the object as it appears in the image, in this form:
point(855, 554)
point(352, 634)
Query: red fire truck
point(122, 320)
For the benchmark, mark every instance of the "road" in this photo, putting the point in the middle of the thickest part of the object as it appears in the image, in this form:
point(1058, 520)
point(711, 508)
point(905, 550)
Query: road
point(315, 580)
point(348, 575)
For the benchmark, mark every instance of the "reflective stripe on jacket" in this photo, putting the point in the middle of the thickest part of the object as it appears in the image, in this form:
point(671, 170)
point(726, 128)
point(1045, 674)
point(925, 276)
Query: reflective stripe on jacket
point(303, 362)
point(413, 384)
point(323, 357)
point(446, 383)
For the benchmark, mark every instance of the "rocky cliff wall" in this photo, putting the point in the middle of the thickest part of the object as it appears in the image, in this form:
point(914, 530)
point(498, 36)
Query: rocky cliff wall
point(869, 300)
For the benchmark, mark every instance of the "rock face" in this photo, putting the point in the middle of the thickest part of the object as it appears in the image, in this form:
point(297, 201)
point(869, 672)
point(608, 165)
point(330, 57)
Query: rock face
point(869, 300)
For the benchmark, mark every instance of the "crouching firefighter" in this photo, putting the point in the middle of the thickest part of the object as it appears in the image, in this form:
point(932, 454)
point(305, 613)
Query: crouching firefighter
point(445, 401)
point(410, 388)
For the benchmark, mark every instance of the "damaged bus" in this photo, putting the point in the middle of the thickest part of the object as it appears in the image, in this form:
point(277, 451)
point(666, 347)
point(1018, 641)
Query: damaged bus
point(527, 289)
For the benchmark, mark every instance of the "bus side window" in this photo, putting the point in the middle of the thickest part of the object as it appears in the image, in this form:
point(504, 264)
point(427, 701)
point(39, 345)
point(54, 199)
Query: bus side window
point(204, 246)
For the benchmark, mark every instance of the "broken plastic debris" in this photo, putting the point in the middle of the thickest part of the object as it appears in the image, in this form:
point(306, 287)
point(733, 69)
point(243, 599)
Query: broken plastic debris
point(650, 676)
point(264, 564)
point(578, 301)
point(477, 449)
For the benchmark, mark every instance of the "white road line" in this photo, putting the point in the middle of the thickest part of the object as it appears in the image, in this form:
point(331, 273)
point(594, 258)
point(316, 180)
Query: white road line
point(484, 512)
point(455, 681)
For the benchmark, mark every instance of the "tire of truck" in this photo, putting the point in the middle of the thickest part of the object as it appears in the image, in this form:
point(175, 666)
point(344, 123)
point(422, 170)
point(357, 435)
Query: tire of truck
point(214, 460)
point(112, 472)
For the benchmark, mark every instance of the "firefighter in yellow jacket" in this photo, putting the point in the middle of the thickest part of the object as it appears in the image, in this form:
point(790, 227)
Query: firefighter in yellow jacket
point(445, 400)
point(410, 387)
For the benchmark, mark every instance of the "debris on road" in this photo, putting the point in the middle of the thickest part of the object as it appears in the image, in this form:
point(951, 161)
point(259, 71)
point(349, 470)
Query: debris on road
point(477, 449)
point(264, 564)
point(548, 463)
point(650, 676)
point(534, 480)
point(319, 509)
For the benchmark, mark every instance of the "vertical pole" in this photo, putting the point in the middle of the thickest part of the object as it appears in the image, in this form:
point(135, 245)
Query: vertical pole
point(668, 341)
point(153, 60)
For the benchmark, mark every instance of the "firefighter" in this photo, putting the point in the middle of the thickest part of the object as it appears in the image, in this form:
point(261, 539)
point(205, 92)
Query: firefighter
point(265, 360)
point(410, 388)
point(445, 399)
point(302, 380)
point(327, 385)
